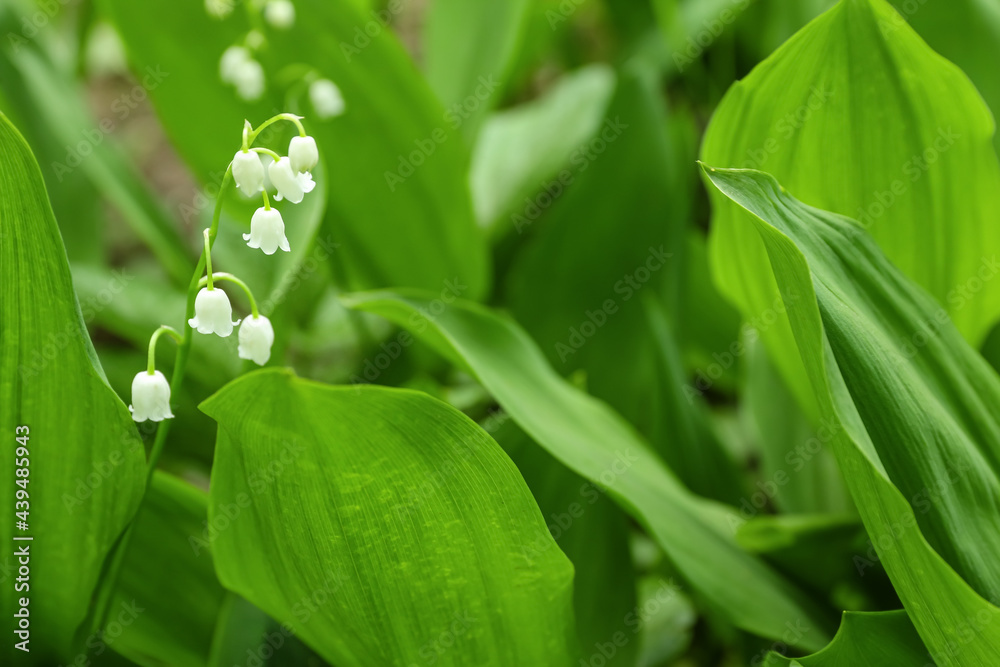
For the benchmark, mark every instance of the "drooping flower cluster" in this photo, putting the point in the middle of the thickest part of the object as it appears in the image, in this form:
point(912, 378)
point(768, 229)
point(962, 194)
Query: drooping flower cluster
point(240, 66)
point(291, 178)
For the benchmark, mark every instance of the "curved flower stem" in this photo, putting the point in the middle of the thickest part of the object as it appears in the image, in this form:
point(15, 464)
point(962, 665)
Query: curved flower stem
point(236, 281)
point(267, 201)
point(290, 117)
point(208, 260)
point(266, 151)
point(163, 428)
point(164, 329)
point(184, 350)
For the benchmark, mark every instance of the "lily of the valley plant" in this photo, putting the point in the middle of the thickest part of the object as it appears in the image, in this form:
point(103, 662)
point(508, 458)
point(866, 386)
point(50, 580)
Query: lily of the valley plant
point(209, 308)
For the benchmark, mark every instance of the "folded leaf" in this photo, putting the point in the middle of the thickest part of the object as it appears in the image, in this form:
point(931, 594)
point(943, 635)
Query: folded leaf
point(872, 124)
point(595, 442)
point(913, 412)
point(384, 527)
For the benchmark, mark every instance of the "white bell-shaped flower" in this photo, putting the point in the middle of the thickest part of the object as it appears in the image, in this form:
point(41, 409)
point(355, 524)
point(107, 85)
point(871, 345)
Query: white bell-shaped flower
point(150, 397)
point(230, 62)
point(248, 172)
point(303, 154)
point(248, 78)
point(213, 313)
point(291, 185)
point(280, 14)
point(256, 338)
point(267, 231)
point(326, 98)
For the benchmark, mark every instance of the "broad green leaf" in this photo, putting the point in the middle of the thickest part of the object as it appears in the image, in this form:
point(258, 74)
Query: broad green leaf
point(521, 150)
point(593, 533)
point(167, 599)
point(596, 443)
point(915, 411)
point(469, 49)
point(398, 199)
point(876, 126)
point(85, 460)
point(879, 639)
point(407, 526)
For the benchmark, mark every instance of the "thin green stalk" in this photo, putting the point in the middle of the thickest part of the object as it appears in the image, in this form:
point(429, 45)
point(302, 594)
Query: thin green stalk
point(228, 277)
point(151, 357)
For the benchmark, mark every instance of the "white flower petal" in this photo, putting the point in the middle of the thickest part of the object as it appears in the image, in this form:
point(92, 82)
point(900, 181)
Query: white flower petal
point(256, 338)
point(284, 178)
point(267, 231)
point(150, 397)
point(213, 313)
point(303, 154)
point(248, 172)
point(280, 14)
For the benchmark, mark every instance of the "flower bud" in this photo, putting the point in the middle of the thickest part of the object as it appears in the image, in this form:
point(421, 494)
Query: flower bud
point(248, 172)
point(303, 154)
point(326, 99)
point(248, 77)
point(230, 63)
point(256, 338)
point(150, 397)
point(280, 14)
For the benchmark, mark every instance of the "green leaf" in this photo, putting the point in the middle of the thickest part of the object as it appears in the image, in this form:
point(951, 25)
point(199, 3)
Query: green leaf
point(86, 462)
point(520, 150)
point(966, 32)
point(469, 51)
point(407, 526)
point(876, 126)
point(913, 413)
point(879, 639)
point(596, 443)
point(167, 600)
point(398, 198)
